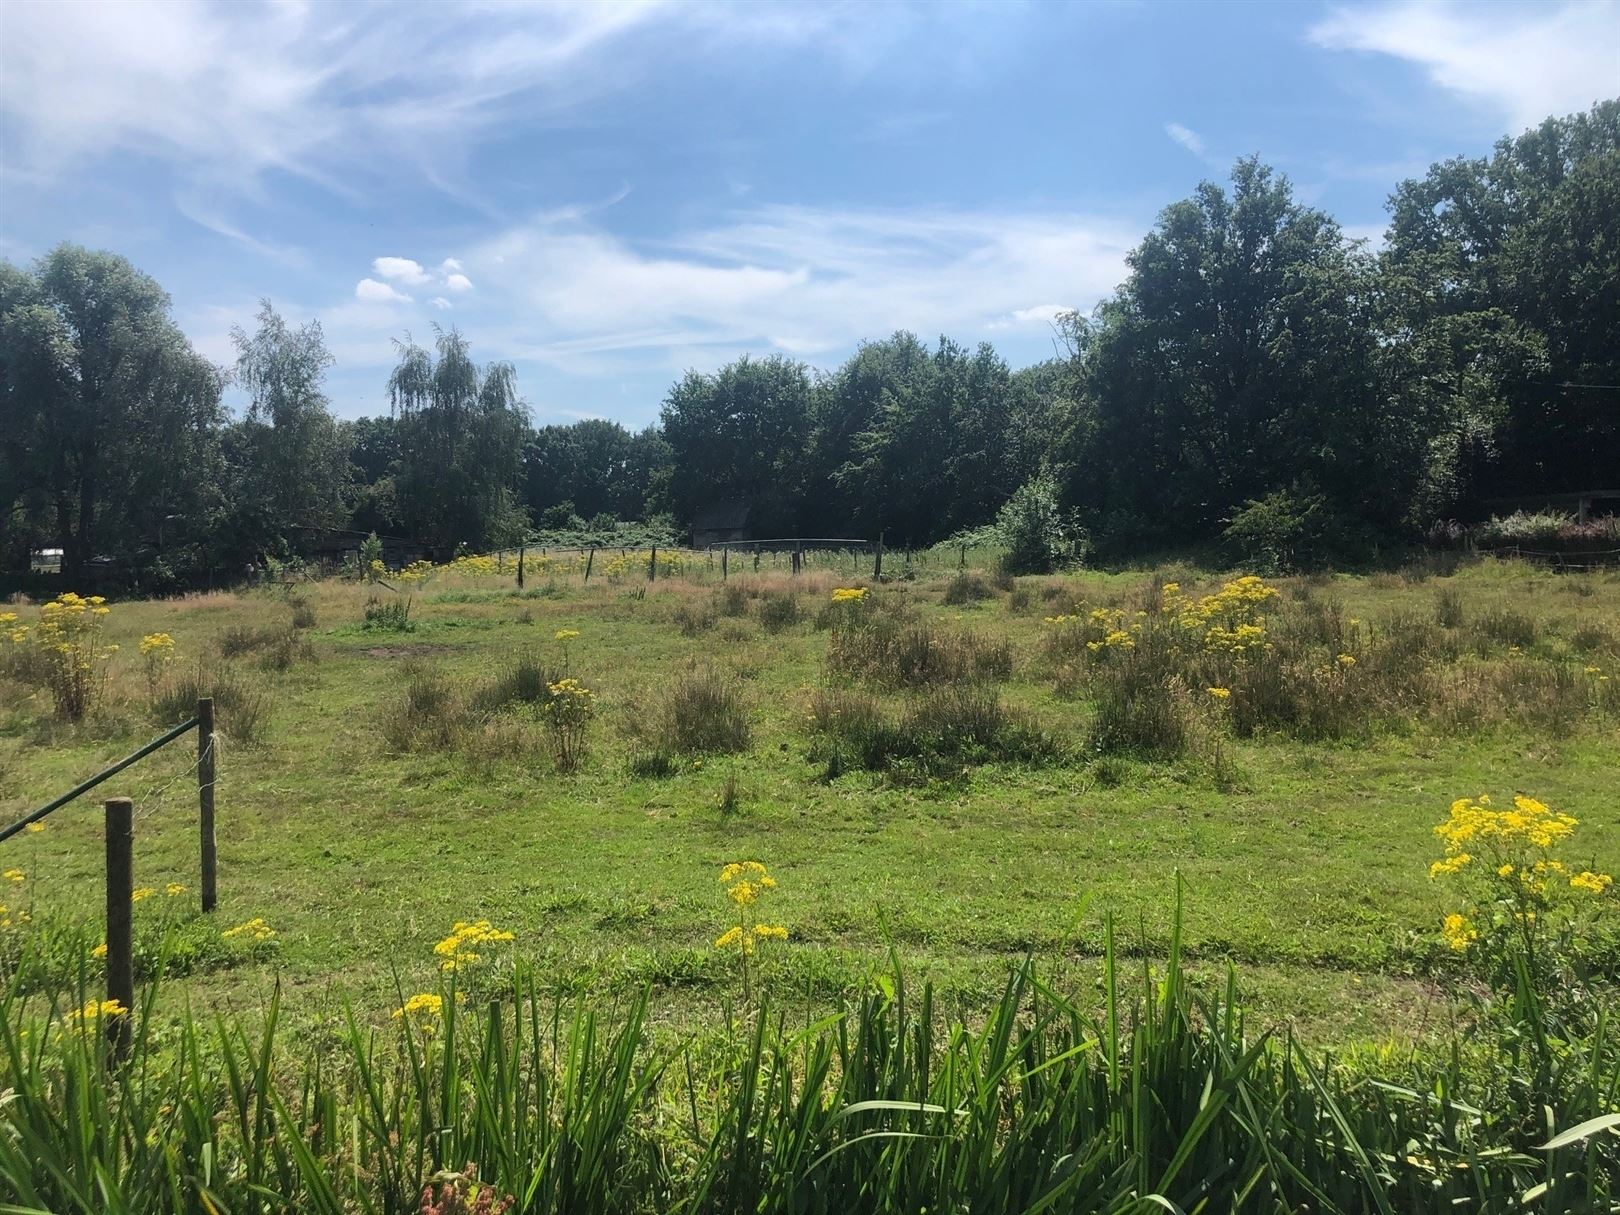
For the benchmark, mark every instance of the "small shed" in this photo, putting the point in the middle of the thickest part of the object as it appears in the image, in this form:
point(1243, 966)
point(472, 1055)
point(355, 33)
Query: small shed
point(724, 522)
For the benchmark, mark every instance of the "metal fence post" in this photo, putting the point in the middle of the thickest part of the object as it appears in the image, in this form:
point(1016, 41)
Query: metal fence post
point(120, 922)
point(205, 801)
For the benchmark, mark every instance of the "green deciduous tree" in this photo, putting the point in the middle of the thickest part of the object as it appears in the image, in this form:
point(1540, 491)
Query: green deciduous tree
point(288, 457)
point(461, 433)
point(1238, 357)
point(740, 434)
point(111, 419)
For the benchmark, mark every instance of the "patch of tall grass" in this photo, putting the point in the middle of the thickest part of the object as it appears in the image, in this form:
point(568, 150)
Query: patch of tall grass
point(242, 705)
point(1148, 1094)
point(700, 711)
point(892, 651)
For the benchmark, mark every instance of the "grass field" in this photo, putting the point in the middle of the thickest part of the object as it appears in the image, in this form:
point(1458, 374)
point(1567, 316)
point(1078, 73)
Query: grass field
point(1304, 859)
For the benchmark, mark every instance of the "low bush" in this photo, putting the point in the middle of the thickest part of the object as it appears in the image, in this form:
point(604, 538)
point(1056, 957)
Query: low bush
point(242, 639)
point(1448, 608)
point(1504, 627)
point(731, 600)
point(1140, 710)
point(694, 618)
point(285, 651)
point(303, 611)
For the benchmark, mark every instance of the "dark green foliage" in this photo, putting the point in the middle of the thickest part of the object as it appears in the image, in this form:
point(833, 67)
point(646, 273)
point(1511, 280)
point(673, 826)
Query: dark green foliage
point(461, 431)
point(1286, 530)
point(1036, 530)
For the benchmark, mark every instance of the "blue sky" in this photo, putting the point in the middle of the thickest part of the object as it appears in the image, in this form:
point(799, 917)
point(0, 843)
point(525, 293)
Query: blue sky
point(610, 194)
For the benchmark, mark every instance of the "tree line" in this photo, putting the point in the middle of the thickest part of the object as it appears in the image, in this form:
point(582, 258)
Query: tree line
point(1257, 375)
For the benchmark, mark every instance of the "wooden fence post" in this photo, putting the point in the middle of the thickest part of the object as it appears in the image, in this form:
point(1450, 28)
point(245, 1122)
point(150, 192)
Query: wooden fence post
point(120, 920)
point(205, 801)
point(652, 565)
point(589, 559)
point(725, 556)
point(522, 551)
point(877, 559)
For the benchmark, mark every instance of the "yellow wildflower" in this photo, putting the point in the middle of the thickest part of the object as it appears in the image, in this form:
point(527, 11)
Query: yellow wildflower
point(1592, 883)
point(1459, 932)
point(424, 1004)
point(1220, 693)
point(255, 928)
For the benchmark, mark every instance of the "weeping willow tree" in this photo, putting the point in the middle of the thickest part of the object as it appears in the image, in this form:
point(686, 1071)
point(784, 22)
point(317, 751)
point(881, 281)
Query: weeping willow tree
point(461, 434)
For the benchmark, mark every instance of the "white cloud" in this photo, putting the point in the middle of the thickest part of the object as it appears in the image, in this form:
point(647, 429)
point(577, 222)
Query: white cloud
point(1186, 137)
point(449, 266)
point(400, 270)
point(227, 92)
point(1525, 63)
point(439, 302)
point(806, 281)
point(458, 282)
point(373, 292)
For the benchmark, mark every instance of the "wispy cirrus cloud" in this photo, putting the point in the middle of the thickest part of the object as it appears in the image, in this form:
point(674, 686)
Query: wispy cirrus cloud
point(1524, 62)
point(802, 280)
point(1186, 137)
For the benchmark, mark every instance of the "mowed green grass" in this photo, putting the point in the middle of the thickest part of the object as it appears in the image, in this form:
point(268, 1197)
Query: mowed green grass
point(1311, 874)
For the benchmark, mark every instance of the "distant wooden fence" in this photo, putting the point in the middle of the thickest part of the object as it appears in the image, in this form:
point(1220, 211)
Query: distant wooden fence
point(120, 832)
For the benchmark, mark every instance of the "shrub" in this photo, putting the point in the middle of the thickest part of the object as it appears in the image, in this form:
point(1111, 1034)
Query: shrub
point(945, 729)
point(371, 558)
point(63, 650)
point(303, 612)
point(1504, 626)
point(694, 618)
point(242, 639)
point(388, 615)
point(1035, 529)
point(286, 649)
point(567, 713)
point(1141, 711)
point(731, 599)
point(1286, 530)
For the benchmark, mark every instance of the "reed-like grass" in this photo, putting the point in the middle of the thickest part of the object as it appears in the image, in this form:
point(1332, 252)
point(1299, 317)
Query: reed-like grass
point(1145, 1095)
